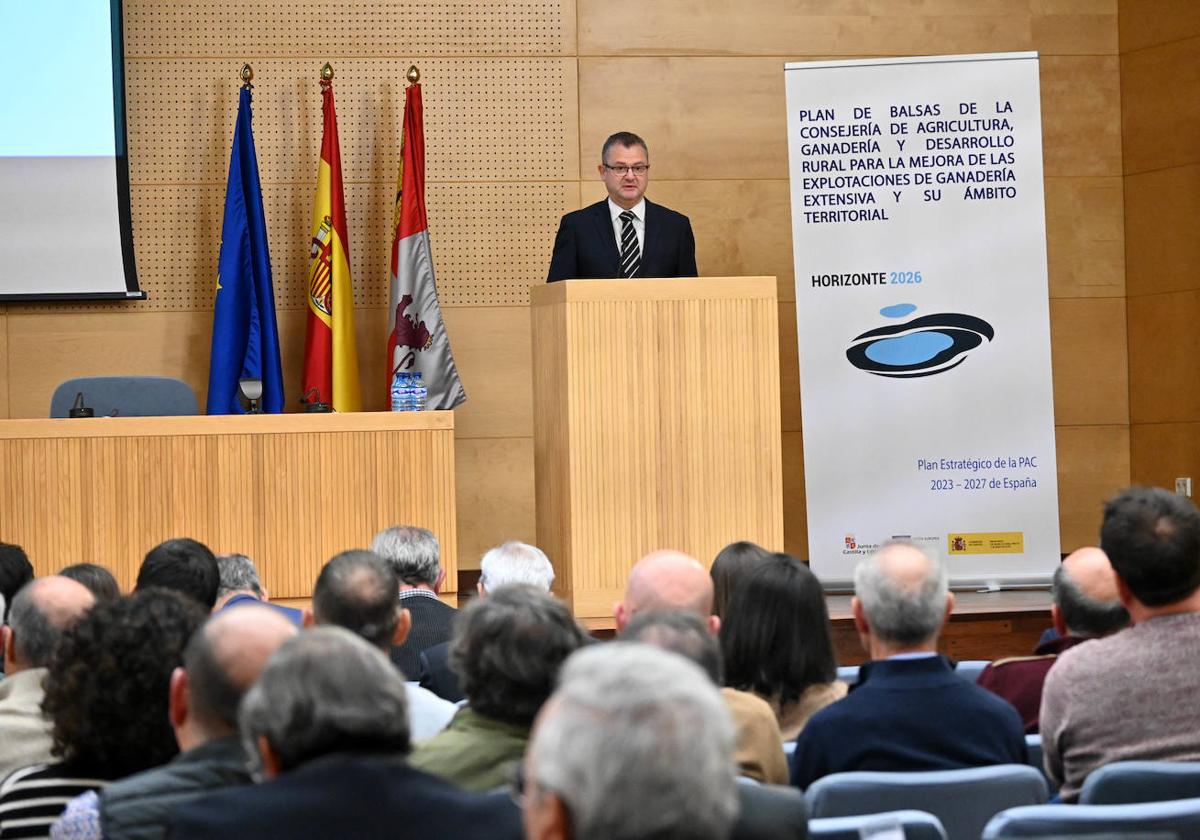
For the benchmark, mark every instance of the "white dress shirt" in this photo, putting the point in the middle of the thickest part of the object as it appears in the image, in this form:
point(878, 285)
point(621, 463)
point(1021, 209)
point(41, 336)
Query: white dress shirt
point(639, 223)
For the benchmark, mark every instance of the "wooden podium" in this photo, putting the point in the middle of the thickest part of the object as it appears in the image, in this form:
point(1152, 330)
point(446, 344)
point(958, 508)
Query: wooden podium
point(656, 425)
point(287, 490)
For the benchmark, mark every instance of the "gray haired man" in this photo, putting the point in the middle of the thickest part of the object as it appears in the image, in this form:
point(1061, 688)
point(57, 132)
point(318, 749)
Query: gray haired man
point(415, 558)
point(635, 743)
point(241, 585)
point(909, 711)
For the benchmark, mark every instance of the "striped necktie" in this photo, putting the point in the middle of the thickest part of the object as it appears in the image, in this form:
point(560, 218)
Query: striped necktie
point(631, 255)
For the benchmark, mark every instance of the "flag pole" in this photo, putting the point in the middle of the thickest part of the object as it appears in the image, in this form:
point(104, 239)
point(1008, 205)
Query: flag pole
point(247, 75)
point(413, 75)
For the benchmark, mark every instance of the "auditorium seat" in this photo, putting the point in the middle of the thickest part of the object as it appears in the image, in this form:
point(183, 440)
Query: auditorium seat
point(1146, 821)
point(1033, 748)
point(848, 674)
point(964, 800)
point(970, 669)
point(1130, 782)
point(126, 396)
point(917, 825)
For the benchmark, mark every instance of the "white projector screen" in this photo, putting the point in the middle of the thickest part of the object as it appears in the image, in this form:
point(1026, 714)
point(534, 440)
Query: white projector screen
point(64, 175)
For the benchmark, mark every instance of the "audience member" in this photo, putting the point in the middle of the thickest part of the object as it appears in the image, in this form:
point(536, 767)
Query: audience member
point(673, 581)
point(99, 580)
point(41, 610)
point(326, 726)
point(512, 562)
point(508, 648)
point(240, 585)
point(635, 743)
point(1132, 695)
point(106, 692)
point(184, 566)
point(15, 572)
point(220, 663)
point(729, 568)
point(1086, 606)
point(909, 711)
point(776, 642)
point(357, 591)
point(416, 560)
point(758, 750)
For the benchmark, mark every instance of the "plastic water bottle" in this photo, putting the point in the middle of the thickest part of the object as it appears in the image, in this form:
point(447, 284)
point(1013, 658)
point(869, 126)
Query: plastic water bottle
point(419, 392)
point(401, 391)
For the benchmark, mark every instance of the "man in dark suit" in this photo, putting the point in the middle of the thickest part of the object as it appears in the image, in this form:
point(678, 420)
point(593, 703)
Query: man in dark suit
point(909, 711)
point(625, 235)
point(415, 557)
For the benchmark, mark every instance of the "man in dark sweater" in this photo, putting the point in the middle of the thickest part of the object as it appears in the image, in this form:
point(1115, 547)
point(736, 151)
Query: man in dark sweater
point(909, 710)
point(415, 557)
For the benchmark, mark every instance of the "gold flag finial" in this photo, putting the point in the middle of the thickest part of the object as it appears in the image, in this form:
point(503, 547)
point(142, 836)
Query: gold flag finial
point(327, 72)
point(413, 75)
point(247, 75)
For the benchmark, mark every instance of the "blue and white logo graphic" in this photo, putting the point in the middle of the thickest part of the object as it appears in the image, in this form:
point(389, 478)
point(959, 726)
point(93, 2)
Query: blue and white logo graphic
point(921, 347)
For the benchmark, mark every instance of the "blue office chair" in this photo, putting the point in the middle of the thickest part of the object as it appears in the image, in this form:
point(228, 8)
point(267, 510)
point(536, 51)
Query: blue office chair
point(970, 669)
point(916, 825)
point(769, 812)
point(964, 800)
point(1130, 782)
point(126, 396)
point(1033, 749)
point(848, 674)
point(1179, 818)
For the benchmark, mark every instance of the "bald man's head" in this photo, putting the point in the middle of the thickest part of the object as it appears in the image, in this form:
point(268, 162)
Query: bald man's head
point(40, 612)
point(902, 596)
point(1086, 601)
point(667, 580)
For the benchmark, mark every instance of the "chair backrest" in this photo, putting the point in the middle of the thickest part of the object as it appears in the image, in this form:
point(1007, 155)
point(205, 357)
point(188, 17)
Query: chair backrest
point(964, 800)
point(970, 669)
point(1179, 818)
point(916, 825)
point(1128, 782)
point(127, 396)
point(769, 812)
point(848, 674)
point(1033, 751)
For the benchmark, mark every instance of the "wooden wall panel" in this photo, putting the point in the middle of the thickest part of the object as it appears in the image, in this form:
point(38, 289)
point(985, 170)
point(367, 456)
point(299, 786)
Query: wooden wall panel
point(1161, 452)
point(492, 348)
point(1081, 115)
point(1091, 379)
point(1085, 242)
point(1159, 88)
point(5, 362)
point(1093, 464)
point(495, 483)
point(1163, 249)
point(1149, 23)
point(1163, 347)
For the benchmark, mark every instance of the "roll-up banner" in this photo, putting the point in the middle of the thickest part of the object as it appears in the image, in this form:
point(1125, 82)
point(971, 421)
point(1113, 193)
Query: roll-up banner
point(919, 232)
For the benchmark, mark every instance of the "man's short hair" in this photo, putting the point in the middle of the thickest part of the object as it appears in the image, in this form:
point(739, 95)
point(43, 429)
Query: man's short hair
point(1152, 539)
point(325, 691)
point(637, 743)
point(15, 572)
point(507, 649)
point(98, 580)
point(183, 565)
point(902, 615)
point(515, 562)
point(357, 590)
point(683, 633)
point(237, 574)
point(622, 138)
point(1083, 614)
point(412, 552)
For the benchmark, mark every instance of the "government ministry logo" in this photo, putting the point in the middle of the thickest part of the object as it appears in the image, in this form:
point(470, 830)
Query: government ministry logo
point(923, 346)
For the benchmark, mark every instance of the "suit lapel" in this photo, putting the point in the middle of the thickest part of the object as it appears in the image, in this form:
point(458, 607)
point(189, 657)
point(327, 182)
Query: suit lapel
point(608, 239)
point(651, 238)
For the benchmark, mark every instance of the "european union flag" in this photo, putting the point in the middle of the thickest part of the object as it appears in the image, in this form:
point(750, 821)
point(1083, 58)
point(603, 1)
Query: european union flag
point(245, 339)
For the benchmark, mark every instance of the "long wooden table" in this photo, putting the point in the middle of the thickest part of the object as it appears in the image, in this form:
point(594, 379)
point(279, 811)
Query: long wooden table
point(289, 491)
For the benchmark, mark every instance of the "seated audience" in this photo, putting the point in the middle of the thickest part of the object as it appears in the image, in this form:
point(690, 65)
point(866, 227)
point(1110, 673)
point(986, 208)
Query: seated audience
point(240, 585)
point(15, 572)
point(1085, 606)
point(326, 727)
point(220, 663)
point(508, 648)
point(41, 610)
point(635, 743)
point(776, 642)
point(106, 693)
point(513, 562)
point(415, 558)
point(758, 750)
point(357, 591)
point(1132, 695)
point(182, 565)
point(729, 568)
point(96, 578)
point(909, 711)
point(672, 581)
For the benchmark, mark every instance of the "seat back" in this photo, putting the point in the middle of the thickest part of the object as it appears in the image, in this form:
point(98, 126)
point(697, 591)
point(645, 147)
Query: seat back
point(916, 825)
point(1145, 821)
point(970, 669)
point(769, 812)
point(126, 396)
point(964, 800)
point(1033, 749)
point(848, 674)
point(1128, 782)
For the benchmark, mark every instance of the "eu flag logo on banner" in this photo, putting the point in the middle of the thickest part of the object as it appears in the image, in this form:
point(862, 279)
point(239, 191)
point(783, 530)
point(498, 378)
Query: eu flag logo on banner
point(245, 338)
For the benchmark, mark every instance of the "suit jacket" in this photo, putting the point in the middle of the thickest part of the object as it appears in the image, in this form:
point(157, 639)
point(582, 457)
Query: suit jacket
point(1019, 679)
point(909, 714)
point(586, 245)
point(351, 797)
point(432, 622)
point(435, 674)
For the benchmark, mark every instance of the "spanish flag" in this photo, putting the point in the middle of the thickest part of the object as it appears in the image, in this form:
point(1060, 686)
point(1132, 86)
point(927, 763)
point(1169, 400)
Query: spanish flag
point(330, 353)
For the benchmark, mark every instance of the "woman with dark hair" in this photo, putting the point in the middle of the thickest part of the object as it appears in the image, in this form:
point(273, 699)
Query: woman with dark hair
point(99, 580)
point(106, 695)
point(731, 566)
point(776, 642)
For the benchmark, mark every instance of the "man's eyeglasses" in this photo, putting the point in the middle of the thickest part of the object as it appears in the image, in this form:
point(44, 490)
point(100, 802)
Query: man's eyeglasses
point(638, 169)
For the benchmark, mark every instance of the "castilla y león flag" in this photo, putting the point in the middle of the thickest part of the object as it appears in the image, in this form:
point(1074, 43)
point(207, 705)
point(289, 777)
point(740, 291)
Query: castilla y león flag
point(417, 337)
point(330, 355)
